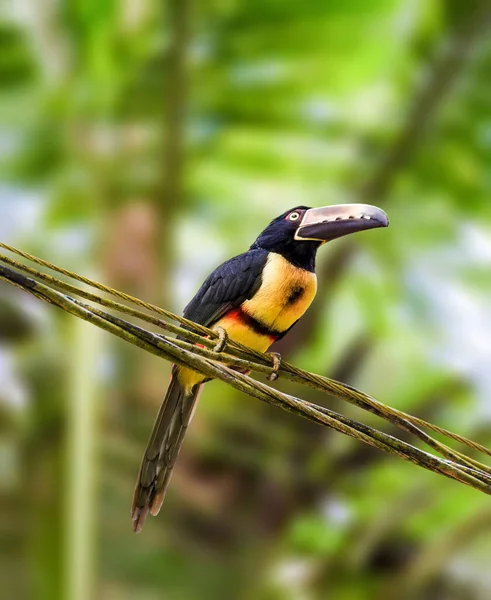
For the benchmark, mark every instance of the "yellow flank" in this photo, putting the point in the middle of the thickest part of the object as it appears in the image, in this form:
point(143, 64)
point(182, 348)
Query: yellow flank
point(242, 333)
point(237, 331)
point(273, 304)
point(285, 294)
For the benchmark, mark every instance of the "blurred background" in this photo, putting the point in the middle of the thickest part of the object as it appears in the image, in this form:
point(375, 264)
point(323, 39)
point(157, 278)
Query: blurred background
point(142, 143)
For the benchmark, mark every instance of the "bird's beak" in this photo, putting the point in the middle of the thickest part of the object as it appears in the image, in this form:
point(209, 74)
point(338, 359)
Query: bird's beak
point(331, 222)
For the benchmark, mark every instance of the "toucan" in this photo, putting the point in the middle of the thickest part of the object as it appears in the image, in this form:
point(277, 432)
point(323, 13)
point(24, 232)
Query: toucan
point(256, 298)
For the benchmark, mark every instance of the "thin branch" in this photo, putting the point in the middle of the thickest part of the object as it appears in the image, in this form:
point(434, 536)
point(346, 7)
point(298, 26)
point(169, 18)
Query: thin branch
point(457, 466)
point(240, 356)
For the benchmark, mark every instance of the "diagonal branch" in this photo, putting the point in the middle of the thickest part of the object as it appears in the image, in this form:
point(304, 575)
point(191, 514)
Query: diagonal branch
point(238, 355)
point(455, 465)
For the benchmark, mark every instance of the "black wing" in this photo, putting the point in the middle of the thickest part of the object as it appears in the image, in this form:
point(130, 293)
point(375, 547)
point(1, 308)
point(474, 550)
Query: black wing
point(227, 287)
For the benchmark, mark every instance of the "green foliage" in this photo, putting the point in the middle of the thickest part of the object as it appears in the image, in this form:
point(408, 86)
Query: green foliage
point(17, 63)
point(285, 103)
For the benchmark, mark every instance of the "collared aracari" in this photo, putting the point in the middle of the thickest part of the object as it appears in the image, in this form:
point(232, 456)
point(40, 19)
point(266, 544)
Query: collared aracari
point(256, 298)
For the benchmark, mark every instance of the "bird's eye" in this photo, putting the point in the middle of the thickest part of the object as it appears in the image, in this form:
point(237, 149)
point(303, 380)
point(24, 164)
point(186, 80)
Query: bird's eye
point(294, 216)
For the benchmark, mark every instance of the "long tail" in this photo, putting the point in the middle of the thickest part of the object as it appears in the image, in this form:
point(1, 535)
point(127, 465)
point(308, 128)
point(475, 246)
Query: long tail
point(162, 450)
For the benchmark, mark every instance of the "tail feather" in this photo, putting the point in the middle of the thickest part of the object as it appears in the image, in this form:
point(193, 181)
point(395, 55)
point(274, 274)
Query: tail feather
point(162, 450)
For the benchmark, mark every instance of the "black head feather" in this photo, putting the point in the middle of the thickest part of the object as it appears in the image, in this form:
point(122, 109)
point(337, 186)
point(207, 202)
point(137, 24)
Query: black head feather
point(279, 237)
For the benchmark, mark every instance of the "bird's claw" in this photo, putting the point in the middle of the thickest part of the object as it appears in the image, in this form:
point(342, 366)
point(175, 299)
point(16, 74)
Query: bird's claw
point(276, 357)
point(222, 339)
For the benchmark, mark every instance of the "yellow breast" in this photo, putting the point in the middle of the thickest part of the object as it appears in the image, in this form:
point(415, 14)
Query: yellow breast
point(285, 294)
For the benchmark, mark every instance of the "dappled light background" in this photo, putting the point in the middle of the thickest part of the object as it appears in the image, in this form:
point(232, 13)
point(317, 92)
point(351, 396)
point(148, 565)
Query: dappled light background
point(141, 144)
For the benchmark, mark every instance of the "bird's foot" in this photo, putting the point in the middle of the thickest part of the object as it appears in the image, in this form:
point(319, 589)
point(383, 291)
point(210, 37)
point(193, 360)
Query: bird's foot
point(276, 357)
point(222, 339)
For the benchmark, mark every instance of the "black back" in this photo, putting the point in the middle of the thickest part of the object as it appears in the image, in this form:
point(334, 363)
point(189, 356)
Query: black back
point(227, 287)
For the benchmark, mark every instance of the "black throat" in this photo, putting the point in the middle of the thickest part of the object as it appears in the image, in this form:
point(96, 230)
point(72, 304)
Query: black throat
point(299, 253)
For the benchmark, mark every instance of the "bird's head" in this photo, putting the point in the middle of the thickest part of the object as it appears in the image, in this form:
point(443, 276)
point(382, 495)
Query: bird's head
point(298, 232)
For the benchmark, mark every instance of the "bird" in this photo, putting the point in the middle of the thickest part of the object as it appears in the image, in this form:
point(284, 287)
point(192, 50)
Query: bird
point(254, 298)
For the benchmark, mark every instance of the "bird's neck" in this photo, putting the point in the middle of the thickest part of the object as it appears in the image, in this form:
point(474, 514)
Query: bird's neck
point(299, 254)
